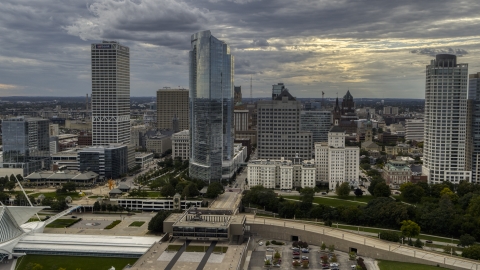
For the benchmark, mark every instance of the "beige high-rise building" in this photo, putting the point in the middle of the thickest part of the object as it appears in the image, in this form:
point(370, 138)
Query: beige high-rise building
point(171, 104)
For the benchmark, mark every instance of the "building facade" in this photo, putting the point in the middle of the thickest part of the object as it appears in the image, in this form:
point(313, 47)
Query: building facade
point(181, 145)
point(110, 162)
point(281, 174)
point(237, 95)
point(389, 110)
point(317, 122)
point(279, 134)
point(335, 162)
point(414, 129)
point(211, 107)
point(26, 144)
point(444, 156)
point(241, 120)
point(474, 124)
point(396, 172)
point(171, 104)
point(110, 93)
point(344, 116)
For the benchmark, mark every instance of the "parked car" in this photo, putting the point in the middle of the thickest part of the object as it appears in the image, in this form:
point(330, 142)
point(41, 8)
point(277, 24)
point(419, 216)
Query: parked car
point(270, 249)
point(324, 193)
point(296, 253)
point(305, 250)
point(260, 243)
point(74, 216)
point(428, 241)
point(304, 258)
point(296, 257)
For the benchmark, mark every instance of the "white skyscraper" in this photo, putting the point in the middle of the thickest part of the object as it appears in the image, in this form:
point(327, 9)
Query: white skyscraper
point(110, 93)
point(445, 121)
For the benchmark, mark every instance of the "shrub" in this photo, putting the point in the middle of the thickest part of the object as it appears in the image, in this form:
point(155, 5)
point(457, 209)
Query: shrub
point(472, 252)
point(267, 262)
point(267, 243)
point(361, 263)
point(328, 223)
point(352, 255)
point(273, 242)
point(277, 255)
point(331, 248)
point(418, 243)
point(323, 247)
point(300, 244)
point(390, 236)
point(334, 258)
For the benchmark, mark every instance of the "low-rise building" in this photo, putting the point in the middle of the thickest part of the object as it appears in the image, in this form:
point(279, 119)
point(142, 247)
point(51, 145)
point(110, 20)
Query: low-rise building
point(181, 145)
point(414, 129)
point(159, 143)
point(143, 159)
point(206, 224)
point(396, 172)
point(281, 174)
point(58, 178)
point(143, 204)
point(108, 161)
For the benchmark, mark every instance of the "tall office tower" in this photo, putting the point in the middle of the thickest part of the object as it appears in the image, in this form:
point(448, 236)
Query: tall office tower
point(237, 94)
point(277, 89)
point(473, 126)
point(445, 121)
point(26, 144)
point(110, 93)
point(279, 134)
point(335, 162)
point(211, 108)
point(318, 122)
point(172, 103)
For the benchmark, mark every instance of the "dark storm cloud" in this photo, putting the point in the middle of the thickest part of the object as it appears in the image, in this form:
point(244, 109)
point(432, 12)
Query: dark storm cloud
point(433, 51)
point(45, 43)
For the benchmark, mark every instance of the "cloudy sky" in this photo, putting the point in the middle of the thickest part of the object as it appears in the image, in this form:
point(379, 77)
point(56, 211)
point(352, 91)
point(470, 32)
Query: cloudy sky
point(375, 48)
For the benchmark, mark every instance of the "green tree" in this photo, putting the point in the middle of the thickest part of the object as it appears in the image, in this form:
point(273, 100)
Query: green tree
point(466, 240)
point(474, 206)
point(306, 195)
point(409, 229)
point(373, 183)
point(323, 246)
point(181, 186)
point(412, 193)
point(449, 193)
point(382, 190)
point(472, 252)
point(214, 189)
point(33, 266)
point(69, 187)
point(10, 185)
point(418, 243)
point(156, 223)
point(358, 192)
point(343, 190)
point(167, 191)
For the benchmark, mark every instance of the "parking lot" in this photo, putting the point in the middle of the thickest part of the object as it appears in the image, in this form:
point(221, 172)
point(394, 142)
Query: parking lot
point(258, 257)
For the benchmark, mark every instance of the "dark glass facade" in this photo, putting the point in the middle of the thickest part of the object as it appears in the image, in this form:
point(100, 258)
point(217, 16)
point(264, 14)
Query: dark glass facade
point(109, 162)
point(26, 143)
point(211, 107)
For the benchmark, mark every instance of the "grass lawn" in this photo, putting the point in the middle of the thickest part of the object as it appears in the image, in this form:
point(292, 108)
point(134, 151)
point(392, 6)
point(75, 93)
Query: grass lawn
point(173, 247)
point(330, 202)
point(113, 224)
point(74, 262)
point(137, 224)
point(220, 249)
point(74, 195)
point(391, 265)
point(373, 230)
point(62, 223)
point(364, 199)
point(154, 194)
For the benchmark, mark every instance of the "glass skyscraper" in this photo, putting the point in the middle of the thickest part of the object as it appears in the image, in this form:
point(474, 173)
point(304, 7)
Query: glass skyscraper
point(26, 143)
point(211, 108)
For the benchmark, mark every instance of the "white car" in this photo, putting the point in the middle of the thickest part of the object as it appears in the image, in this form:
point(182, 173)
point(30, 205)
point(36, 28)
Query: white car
point(270, 249)
point(260, 243)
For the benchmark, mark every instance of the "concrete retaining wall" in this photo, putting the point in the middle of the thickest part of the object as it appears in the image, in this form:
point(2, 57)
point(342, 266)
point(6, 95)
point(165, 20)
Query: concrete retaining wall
point(316, 239)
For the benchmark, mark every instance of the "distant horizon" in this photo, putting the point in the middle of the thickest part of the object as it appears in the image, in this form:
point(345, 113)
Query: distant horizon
point(242, 97)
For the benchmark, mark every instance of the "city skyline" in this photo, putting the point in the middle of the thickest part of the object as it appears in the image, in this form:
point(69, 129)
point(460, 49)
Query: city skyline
point(312, 47)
